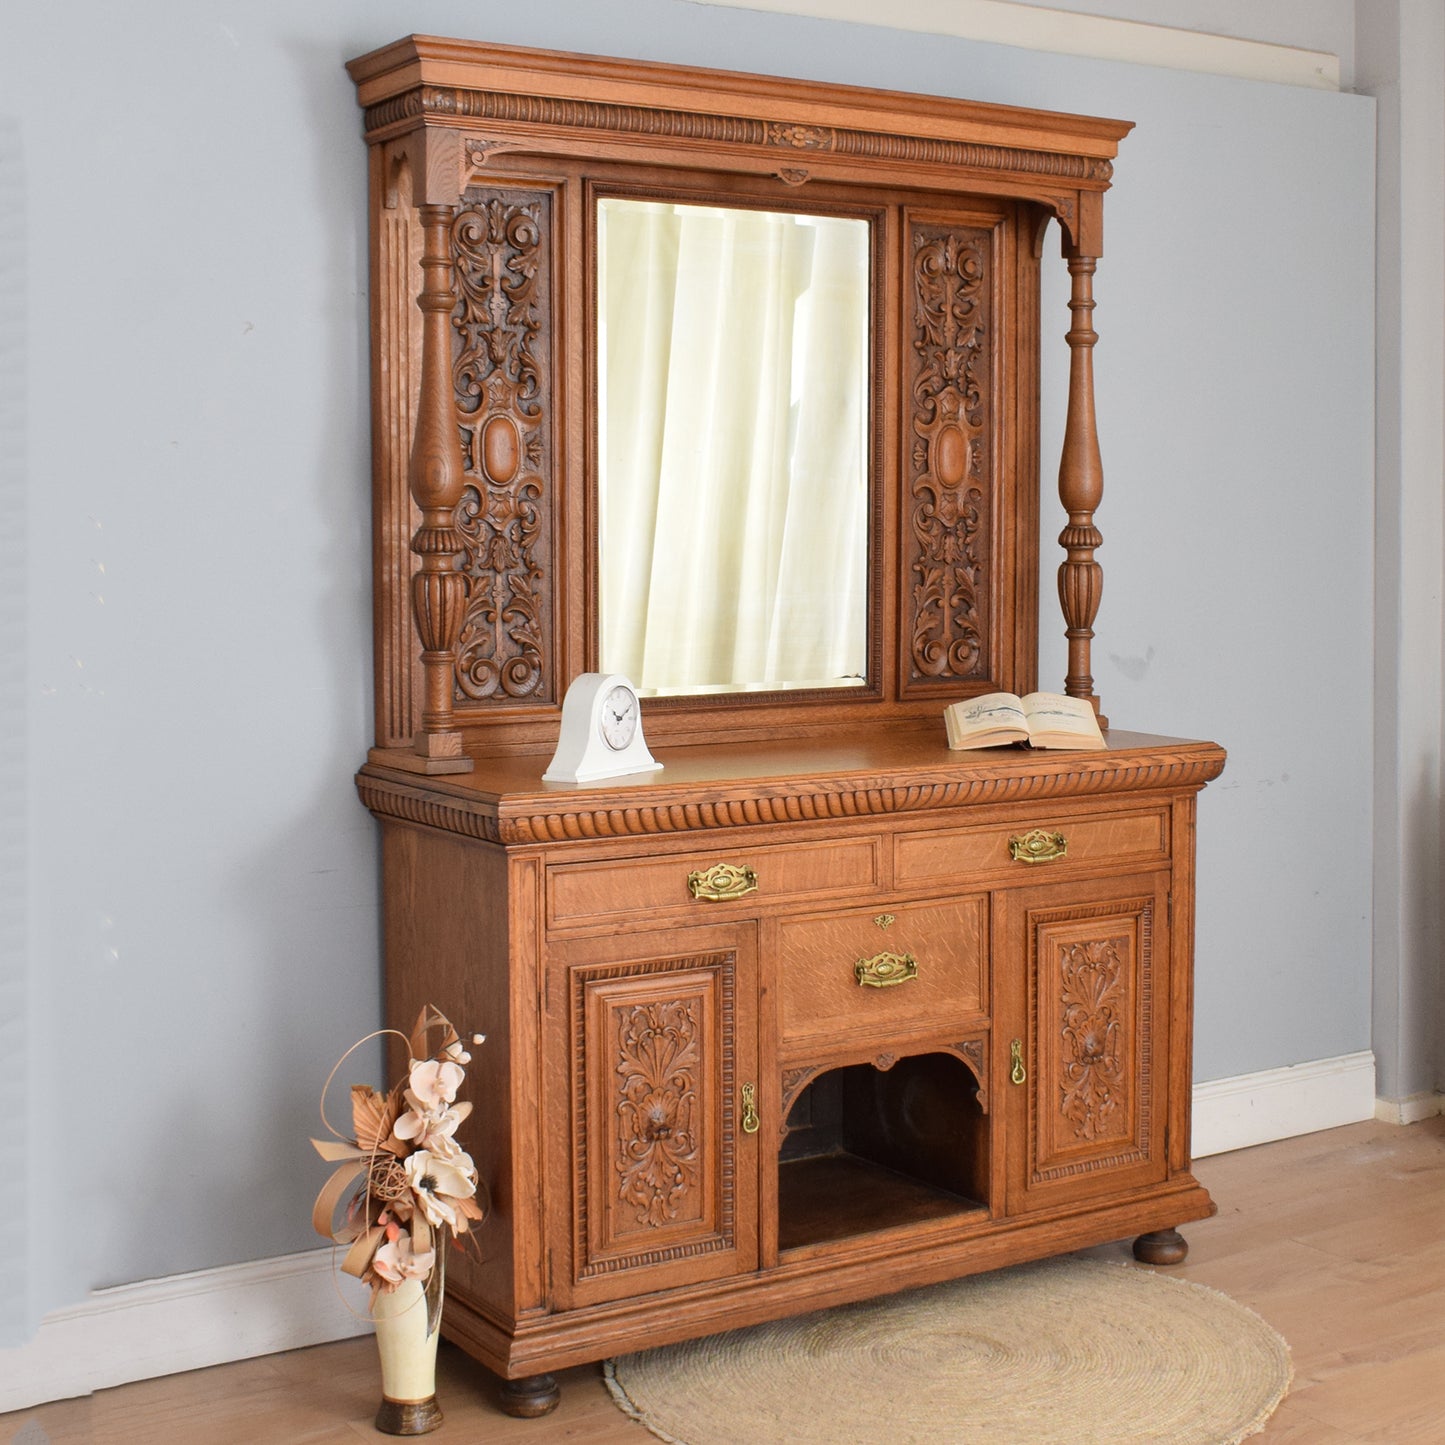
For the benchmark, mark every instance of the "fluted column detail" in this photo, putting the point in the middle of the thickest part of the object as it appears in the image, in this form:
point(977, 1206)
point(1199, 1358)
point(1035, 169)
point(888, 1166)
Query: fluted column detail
point(435, 475)
point(1081, 489)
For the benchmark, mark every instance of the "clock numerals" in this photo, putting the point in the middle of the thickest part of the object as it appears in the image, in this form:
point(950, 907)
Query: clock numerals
point(618, 722)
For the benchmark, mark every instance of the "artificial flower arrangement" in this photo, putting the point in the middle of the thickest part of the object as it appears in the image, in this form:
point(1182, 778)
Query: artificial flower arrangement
point(403, 1176)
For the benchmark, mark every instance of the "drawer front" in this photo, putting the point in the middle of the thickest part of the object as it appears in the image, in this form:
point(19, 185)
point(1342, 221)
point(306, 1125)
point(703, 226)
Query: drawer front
point(704, 886)
point(1027, 852)
point(914, 967)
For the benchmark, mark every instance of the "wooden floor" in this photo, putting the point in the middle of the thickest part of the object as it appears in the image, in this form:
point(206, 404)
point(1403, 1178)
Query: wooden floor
point(1337, 1239)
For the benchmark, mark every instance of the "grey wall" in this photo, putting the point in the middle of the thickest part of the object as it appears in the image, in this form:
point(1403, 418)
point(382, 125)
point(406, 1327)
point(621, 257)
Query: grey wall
point(1401, 60)
point(198, 899)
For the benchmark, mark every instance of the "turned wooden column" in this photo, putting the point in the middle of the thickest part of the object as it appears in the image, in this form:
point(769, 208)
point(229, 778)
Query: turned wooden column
point(1081, 488)
point(435, 475)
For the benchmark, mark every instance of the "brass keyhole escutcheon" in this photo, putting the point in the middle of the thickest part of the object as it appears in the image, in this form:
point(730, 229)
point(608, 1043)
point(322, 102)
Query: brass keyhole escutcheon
point(750, 1112)
point(1017, 1074)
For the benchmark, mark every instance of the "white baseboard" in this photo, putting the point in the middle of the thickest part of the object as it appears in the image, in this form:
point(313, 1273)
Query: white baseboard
point(212, 1316)
point(1254, 1109)
point(181, 1322)
point(1411, 1110)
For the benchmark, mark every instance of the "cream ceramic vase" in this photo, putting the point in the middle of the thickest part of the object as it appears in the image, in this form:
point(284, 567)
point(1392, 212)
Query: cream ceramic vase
point(408, 1328)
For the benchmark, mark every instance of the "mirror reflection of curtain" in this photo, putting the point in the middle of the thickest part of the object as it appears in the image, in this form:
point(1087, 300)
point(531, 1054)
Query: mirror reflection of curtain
point(733, 515)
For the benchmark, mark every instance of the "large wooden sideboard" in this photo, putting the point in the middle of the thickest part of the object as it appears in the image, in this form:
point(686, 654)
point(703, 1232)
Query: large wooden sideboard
point(821, 1009)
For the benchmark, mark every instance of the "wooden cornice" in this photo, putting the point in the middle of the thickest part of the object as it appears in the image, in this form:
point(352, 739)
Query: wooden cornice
point(528, 99)
point(506, 802)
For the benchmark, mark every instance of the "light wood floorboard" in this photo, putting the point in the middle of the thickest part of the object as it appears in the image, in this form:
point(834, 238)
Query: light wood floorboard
point(1337, 1239)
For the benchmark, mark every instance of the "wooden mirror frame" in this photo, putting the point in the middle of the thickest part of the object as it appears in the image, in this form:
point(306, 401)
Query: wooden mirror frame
point(483, 162)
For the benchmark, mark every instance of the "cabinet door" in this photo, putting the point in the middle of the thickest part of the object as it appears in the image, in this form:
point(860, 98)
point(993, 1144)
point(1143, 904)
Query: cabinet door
point(1083, 982)
point(660, 1170)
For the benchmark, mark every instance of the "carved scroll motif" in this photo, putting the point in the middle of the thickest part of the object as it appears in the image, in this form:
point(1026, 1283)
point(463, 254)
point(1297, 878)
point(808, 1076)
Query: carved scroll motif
point(500, 369)
point(657, 1163)
point(1094, 1017)
point(948, 486)
point(971, 1051)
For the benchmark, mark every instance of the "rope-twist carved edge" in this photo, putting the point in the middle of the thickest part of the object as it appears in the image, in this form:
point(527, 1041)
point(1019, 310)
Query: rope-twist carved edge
point(578, 823)
point(449, 815)
point(557, 111)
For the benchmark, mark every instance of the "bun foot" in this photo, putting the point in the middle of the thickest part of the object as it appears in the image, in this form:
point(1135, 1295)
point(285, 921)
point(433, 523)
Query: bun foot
point(1165, 1246)
point(530, 1397)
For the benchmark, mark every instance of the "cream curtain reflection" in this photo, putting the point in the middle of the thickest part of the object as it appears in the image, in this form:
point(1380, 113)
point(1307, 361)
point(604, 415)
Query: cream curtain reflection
point(733, 510)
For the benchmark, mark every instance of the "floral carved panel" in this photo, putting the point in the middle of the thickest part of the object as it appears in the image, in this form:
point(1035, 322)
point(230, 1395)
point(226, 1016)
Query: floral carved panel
point(1092, 1087)
point(947, 521)
point(657, 1145)
point(1092, 1026)
point(501, 367)
point(653, 1112)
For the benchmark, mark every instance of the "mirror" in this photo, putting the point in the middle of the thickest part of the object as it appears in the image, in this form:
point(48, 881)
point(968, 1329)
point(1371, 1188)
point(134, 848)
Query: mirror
point(732, 447)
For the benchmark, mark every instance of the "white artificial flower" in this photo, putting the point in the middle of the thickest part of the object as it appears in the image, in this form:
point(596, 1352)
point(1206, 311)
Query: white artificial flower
point(397, 1261)
point(427, 1129)
point(436, 1084)
point(439, 1184)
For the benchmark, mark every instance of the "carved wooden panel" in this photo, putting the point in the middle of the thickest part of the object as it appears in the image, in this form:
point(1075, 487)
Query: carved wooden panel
point(502, 369)
point(1091, 1013)
point(396, 319)
point(654, 1113)
point(947, 520)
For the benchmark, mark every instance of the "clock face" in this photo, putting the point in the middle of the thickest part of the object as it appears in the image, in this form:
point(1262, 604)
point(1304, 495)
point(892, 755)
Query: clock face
point(619, 718)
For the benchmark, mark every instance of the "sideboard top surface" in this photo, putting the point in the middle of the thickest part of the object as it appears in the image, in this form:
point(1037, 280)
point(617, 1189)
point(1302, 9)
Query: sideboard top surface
point(747, 784)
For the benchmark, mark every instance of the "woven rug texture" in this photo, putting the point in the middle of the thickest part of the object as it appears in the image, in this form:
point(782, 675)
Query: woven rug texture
point(1067, 1352)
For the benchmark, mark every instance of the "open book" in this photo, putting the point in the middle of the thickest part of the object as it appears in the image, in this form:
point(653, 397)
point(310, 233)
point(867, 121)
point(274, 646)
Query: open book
point(1040, 720)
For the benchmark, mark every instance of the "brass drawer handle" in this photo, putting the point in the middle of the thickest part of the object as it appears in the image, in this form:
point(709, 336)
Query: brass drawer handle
point(750, 1112)
point(884, 970)
point(722, 883)
point(1038, 846)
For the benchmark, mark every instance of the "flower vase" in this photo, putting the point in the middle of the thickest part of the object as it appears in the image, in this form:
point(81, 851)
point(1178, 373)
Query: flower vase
point(408, 1327)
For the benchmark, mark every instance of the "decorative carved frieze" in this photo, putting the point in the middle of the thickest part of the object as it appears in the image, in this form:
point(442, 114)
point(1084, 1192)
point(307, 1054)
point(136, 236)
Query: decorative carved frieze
point(560, 112)
point(801, 137)
point(502, 376)
point(949, 472)
point(1015, 778)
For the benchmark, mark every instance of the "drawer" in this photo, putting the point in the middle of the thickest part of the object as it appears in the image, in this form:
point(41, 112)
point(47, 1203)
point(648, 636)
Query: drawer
point(1126, 838)
point(848, 974)
point(713, 884)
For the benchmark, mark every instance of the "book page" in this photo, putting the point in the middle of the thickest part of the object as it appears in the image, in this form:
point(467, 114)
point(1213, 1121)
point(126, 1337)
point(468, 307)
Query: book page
point(986, 721)
point(1051, 712)
point(992, 710)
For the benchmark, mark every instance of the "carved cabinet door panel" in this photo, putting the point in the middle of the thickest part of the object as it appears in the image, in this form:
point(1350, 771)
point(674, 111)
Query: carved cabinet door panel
point(1083, 980)
point(659, 1183)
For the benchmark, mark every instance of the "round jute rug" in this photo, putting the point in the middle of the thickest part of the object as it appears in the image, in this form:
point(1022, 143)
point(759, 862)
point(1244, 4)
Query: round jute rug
point(1068, 1352)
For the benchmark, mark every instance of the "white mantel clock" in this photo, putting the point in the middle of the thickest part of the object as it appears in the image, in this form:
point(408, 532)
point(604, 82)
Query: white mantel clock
point(601, 732)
